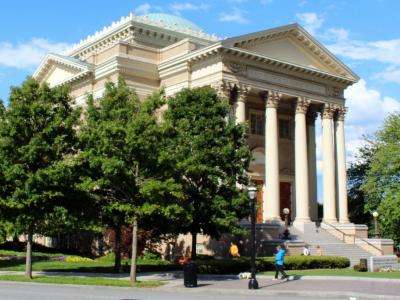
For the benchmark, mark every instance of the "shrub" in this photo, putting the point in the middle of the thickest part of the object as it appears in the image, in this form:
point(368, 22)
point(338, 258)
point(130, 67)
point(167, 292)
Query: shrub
point(234, 266)
point(151, 256)
point(360, 268)
point(205, 257)
point(71, 258)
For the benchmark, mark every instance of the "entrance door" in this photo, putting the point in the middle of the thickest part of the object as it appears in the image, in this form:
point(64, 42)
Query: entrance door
point(259, 214)
point(286, 198)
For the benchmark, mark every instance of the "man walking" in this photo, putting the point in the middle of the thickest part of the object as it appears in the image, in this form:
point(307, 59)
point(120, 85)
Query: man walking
point(279, 262)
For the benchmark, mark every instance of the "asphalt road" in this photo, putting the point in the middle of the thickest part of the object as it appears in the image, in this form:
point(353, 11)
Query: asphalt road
point(23, 291)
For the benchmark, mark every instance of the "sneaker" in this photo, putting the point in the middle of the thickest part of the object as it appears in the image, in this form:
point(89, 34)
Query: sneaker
point(275, 279)
point(285, 279)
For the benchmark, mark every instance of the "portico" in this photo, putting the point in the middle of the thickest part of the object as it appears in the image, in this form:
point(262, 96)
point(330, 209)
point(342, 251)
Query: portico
point(298, 168)
point(278, 81)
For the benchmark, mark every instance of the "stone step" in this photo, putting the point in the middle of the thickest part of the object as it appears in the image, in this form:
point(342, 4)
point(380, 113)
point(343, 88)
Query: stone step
point(329, 244)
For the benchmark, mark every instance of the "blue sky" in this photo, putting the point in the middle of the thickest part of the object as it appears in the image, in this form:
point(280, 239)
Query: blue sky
point(362, 33)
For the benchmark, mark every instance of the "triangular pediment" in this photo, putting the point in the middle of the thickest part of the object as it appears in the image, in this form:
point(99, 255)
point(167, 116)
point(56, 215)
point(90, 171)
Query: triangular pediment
point(56, 69)
point(294, 45)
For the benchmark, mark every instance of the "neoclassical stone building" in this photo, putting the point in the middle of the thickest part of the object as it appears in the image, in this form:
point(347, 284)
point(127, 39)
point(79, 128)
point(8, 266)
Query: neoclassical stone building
point(278, 80)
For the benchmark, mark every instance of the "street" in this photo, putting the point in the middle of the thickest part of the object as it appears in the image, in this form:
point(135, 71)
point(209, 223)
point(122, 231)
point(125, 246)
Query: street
point(24, 291)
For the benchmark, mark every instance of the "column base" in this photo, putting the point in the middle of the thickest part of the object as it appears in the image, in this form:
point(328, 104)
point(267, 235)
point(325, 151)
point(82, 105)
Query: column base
point(304, 225)
point(274, 220)
point(345, 221)
point(330, 221)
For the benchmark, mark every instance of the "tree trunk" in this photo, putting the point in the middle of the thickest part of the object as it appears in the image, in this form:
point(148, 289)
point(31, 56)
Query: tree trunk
point(134, 252)
point(28, 266)
point(194, 243)
point(117, 263)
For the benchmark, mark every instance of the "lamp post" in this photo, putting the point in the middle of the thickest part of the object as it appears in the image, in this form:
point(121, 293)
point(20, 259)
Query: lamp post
point(375, 214)
point(286, 233)
point(252, 193)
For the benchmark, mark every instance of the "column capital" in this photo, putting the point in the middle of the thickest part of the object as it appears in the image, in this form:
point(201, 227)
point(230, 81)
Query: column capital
point(222, 88)
point(243, 91)
point(302, 105)
point(328, 111)
point(341, 112)
point(271, 99)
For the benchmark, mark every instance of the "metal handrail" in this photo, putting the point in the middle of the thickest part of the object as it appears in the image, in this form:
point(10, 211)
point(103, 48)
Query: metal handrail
point(344, 234)
point(373, 246)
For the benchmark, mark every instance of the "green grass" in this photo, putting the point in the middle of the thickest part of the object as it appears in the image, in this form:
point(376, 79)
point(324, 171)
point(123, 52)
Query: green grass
point(103, 264)
point(339, 272)
point(82, 281)
point(9, 252)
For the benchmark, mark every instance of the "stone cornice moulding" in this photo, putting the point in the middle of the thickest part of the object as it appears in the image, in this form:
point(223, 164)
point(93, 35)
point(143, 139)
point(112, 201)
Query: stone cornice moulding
point(218, 48)
point(126, 26)
point(148, 70)
point(52, 59)
point(300, 34)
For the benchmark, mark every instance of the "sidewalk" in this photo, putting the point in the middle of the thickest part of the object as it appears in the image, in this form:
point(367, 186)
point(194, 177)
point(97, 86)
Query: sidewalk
point(318, 286)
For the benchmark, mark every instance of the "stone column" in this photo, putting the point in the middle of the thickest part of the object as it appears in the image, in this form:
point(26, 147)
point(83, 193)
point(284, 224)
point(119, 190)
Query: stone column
point(312, 165)
point(301, 162)
point(240, 107)
point(328, 164)
point(341, 175)
point(271, 206)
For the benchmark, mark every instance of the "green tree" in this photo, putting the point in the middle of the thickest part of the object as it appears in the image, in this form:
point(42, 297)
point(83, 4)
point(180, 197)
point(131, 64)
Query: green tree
point(120, 142)
point(356, 174)
point(208, 156)
point(37, 148)
point(382, 183)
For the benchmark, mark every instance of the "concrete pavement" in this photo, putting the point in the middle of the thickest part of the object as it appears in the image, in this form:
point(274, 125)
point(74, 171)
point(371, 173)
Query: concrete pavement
point(305, 286)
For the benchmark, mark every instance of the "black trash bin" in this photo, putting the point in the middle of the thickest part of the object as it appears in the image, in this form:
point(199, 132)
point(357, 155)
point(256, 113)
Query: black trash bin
point(364, 263)
point(190, 275)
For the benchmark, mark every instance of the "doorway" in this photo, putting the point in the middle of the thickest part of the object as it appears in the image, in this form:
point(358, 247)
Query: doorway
point(286, 198)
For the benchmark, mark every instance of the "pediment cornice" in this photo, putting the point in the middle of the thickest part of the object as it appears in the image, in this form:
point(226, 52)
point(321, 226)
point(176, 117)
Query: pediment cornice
point(299, 34)
point(79, 68)
point(252, 57)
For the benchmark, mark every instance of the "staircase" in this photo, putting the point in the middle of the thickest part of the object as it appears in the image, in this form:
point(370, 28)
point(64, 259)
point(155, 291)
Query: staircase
point(329, 244)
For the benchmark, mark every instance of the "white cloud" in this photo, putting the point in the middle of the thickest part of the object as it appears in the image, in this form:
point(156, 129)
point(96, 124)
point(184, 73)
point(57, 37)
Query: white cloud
point(28, 55)
point(367, 110)
point(143, 9)
point(381, 51)
point(390, 74)
point(177, 8)
point(311, 21)
point(236, 16)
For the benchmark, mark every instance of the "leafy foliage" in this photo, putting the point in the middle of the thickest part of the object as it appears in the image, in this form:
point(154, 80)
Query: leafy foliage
point(378, 178)
point(121, 141)
point(37, 160)
point(37, 148)
point(208, 155)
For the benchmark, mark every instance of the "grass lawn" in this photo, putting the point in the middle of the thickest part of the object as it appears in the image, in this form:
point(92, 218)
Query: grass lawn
point(101, 265)
point(339, 272)
point(80, 280)
point(10, 252)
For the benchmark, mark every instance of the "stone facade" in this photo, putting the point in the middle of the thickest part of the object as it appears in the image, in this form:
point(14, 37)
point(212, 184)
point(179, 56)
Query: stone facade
point(278, 80)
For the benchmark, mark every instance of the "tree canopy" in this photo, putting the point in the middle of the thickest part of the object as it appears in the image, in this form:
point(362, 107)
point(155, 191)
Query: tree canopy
point(208, 156)
point(378, 177)
point(37, 149)
point(121, 141)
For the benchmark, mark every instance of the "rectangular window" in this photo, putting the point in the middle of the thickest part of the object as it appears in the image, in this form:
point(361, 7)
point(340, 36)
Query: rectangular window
point(285, 129)
point(257, 123)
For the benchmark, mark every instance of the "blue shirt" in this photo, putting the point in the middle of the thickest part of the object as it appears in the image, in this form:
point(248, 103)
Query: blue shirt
point(279, 257)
